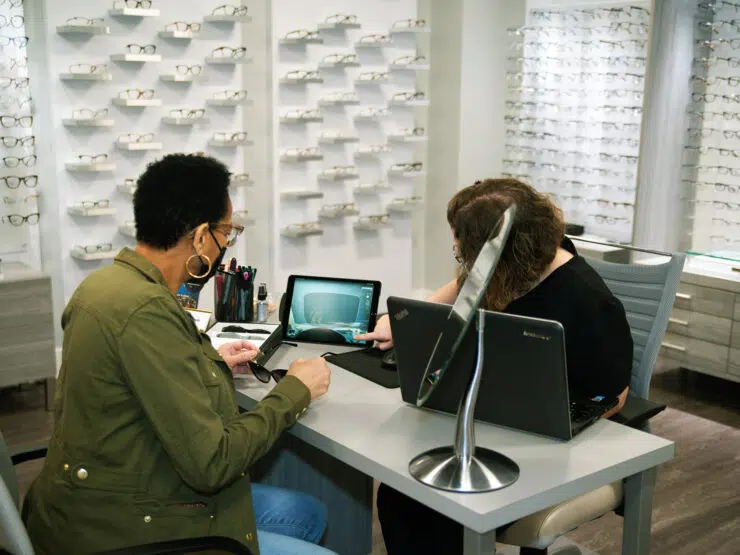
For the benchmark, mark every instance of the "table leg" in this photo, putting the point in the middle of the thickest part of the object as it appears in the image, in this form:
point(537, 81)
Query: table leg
point(479, 544)
point(638, 509)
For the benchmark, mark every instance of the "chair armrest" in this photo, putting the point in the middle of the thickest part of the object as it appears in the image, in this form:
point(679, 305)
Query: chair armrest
point(188, 545)
point(636, 412)
point(28, 453)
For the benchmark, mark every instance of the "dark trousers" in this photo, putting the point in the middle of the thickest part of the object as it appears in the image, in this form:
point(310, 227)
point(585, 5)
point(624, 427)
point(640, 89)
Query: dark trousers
point(410, 527)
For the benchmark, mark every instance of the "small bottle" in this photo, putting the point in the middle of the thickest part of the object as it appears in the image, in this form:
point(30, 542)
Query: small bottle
point(262, 304)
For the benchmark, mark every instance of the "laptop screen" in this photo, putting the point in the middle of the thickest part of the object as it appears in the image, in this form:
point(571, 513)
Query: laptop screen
point(329, 310)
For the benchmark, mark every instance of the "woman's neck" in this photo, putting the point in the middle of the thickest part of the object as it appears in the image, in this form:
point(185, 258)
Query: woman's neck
point(169, 262)
point(562, 256)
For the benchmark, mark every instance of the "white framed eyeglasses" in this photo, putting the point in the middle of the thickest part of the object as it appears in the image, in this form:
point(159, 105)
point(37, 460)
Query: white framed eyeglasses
point(372, 76)
point(342, 18)
point(87, 113)
point(229, 52)
point(230, 95)
point(340, 170)
point(302, 75)
point(302, 152)
point(183, 69)
point(371, 112)
point(340, 59)
point(301, 34)
point(236, 137)
point(375, 39)
point(373, 149)
point(187, 113)
point(341, 97)
point(409, 24)
point(183, 26)
point(89, 68)
point(302, 114)
point(85, 21)
point(136, 138)
point(409, 60)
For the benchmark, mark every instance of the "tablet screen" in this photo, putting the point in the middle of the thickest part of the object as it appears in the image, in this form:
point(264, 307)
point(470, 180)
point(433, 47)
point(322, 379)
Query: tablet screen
point(329, 310)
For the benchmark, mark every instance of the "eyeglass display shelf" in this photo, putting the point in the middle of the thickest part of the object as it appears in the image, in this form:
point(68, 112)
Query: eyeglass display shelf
point(359, 44)
point(317, 40)
point(364, 225)
point(296, 233)
point(126, 189)
point(331, 214)
point(338, 65)
point(331, 176)
point(229, 144)
point(338, 25)
point(227, 18)
point(140, 58)
point(241, 182)
point(400, 138)
point(410, 103)
point(298, 119)
point(88, 122)
point(127, 230)
point(139, 146)
point(370, 153)
point(184, 35)
point(404, 206)
point(300, 157)
point(227, 102)
point(409, 67)
point(296, 81)
point(175, 78)
point(373, 117)
point(246, 222)
point(137, 102)
point(410, 30)
point(404, 173)
point(71, 29)
point(90, 167)
point(227, 60)
point(353, 102)
point(79, 254)
point(382, 81)
point(134, 12)
point(85, 76)
point(90, 212)
point(301, 195)
point(371, 188)
point(338, 140)
point(171, 120)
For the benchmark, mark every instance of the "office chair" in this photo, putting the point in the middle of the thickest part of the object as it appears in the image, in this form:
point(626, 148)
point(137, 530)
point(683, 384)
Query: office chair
point(647, 293)
point(14, 538)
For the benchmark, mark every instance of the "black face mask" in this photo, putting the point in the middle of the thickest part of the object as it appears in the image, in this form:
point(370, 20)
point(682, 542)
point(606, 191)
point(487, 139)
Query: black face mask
point(214, 266)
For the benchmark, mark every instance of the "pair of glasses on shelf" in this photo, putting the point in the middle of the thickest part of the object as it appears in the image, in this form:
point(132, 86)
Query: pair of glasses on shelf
point(12, 142)
point(187, 113)
point(371, 112)
point(183, 69)
point(302, 114)
point(136, 94)
point(719, 187)
point(341, 97)
point(17, 82)
point(340, 170)
point(722, 221)
point(231, 10)
point(373, 149)
point(89, 68)
point(27, 199)
point(721, 170)
point(133, 48)
point(88, 114)
point(300, 152)
point(237, 137)
point(339, 206)
point(136, 138)
point(240, 177)
point(408, 96)
point(610, 220)
point(18, 220)
point(371, 76)
point(18, 42)
point(408, 167)
point(140, 4)
point(409, 60)
point(302, 75)
point(91, 249)
point(375, 38)
point(337, 58)
point(89, 204)
point(229, 52)
point(92, 158)
point(342, 18)
point(183, 26)
point(14, 161)
point(304, 226)
point(85, 21)
point(375, 219)
point(14, 63)
point(333, 134)
point(412, 132)
point(230, 95)
point(14, 182)
point(15, 21)
point(301, 34)
point(21, 103)
point(409, 24)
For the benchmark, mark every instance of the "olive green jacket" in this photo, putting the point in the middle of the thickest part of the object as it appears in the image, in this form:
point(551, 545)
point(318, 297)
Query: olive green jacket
point(148, 441)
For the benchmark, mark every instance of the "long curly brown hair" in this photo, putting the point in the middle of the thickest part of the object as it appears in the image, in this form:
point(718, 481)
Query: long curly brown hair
point(533, 242)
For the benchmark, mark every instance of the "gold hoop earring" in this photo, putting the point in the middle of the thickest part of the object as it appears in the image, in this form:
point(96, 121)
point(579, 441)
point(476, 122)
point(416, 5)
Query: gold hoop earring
point(199, 257)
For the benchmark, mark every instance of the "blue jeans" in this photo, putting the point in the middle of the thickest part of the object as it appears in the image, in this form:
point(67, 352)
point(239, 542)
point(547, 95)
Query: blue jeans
point(288, 522)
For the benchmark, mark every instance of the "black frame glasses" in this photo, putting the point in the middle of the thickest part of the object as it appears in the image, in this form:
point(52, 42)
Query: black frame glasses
point(14, 182)
point(264, 375)
point(18, 220)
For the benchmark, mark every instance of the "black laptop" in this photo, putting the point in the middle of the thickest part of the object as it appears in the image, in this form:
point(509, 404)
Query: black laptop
point(525, 380)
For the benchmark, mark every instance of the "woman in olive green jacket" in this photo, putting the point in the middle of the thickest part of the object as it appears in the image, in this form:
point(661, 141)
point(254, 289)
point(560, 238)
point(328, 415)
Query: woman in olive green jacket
point(148, 443)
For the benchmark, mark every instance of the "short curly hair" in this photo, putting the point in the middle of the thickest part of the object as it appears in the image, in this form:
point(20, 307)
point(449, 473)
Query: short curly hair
point(535, 235)
point(176, 194)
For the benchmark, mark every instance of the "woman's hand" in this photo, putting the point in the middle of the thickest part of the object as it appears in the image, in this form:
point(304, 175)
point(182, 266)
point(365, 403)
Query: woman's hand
point(237, 354)
point(381, 335)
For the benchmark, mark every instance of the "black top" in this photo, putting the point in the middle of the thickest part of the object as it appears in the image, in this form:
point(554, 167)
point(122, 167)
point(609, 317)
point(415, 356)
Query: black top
point(598, 342)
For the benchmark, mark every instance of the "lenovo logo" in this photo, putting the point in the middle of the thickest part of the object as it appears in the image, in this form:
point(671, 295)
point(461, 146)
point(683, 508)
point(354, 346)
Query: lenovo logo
point(401, 314)
point(533, 335)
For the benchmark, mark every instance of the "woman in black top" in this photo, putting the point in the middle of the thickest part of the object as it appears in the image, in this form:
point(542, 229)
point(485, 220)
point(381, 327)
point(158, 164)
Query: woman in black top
point(540, 274)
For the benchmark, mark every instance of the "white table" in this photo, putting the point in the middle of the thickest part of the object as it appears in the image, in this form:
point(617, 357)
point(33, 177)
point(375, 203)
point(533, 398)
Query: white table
point(371, 432)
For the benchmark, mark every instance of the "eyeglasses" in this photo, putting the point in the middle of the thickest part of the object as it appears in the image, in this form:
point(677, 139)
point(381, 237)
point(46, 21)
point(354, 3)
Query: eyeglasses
point(302, 114)
point(227, 9)
point(341, 97)
point(86, 113)
point(16, 21)
point(373, 149)
point(342, 18)
point(339, 170)
point(92, 158)
point(409, 24)
point(145, 4)
point(722, 221)
point(14, 162)
point(302, 75)
point(409, 60)
point(13, 182)
point(412, 132)
point(136, 138)
point(19, 82)
point(8, 101)
point(11, 142)
point(301, 34)
point(240, 177)
point(303, 227)
point(133, 48)
point(302, 152)
point(611, 220)
point(229, 52)
point(339, 209)
point(407, 96)
point(19, 42)
point(369, 76)
point(185, 69)
point(371, 112)
point(230, 95)
point(375, 39)
point(133, 94)
point(85, 21)
point(408, 167)
point(186, 113)
point(12, 3)
point(17, 220)
point(183, 26)
point(340, 59)
point(102, 247)
point(88, 68)
point(263, 374)
point(375, 219)
point(722, 170)
point(232, 234)
point(238, 137)
point(87, 204)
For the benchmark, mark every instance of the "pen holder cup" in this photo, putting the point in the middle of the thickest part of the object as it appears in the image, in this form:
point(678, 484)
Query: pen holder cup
point(233, 297)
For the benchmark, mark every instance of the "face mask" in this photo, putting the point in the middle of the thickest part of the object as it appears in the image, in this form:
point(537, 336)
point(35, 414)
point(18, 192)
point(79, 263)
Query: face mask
point(214, 267)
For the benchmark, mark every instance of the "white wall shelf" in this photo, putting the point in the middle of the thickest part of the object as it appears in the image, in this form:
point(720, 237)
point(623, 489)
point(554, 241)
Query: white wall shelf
point(338, 65)
point(241, 182)
point(410, 30)
point(223, 60)
point(90, 122)
point(404, 207)
point(370, 82)
point(354, 102)
point(184, 121)
point(229, 144)
point(409, 67)
point(408, 138)
point(298, 119)
point(373, 44)
point(79, 254)
point(338, 140)
point(126, 189)
point(138, 58)
point(227, 18)
point(409, 103)
point(179, 35)
point(365, 152)
point(83, 30)
point(246, 222)
point(133, 12)
point(127, 230)
point(367, 189)
point(88, 167)
point(138, 146)
point(338, 25)
point(368, 118)
point(223, 102)
point(85, 76)
point(174, 78)
point(301, 195)
point(332, 176)
point(297, 81)
point(90, 212)
point(300, 158)
point(401, 173)
point(296, 233)
point(137, 102)
point(368, 225)
point(330, 214)
point(318, 40)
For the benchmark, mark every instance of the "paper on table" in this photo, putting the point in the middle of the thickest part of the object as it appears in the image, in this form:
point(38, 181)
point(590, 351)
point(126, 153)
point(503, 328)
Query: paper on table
point(257, 339)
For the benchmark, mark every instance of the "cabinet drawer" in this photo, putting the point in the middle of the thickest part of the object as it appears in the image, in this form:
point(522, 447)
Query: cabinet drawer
point(736, 315)
point(705, 300)
point(25, 297)
point(734, 366)
point(700, 326)
point(735, 337)
point(695, 353)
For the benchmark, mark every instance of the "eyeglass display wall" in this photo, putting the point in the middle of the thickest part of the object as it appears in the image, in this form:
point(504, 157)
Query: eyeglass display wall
point(19, 183)
point(350, 137)
point(711, 165)
point(130, 81)
point(574, 110)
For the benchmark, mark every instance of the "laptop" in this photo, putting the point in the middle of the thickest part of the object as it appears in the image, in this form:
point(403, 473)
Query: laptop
point(525, 380)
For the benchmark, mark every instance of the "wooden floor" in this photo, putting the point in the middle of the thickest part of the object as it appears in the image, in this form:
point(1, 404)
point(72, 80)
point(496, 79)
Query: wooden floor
point(697, 497)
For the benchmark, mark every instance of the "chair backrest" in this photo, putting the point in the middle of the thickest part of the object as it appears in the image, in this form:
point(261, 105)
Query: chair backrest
point(13, 535)
point(647, 293)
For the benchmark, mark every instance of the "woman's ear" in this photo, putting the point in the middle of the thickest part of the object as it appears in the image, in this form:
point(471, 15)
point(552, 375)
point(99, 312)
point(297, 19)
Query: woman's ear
point(200, 237)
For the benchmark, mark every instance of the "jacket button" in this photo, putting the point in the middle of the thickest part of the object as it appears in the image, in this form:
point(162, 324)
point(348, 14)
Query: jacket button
point(297, 415)
point(213, 516)
point(244, 474)
point(147, 519)
point(303, 411)
point(214, 374)
point(66, 466)
point(82, 474)
point(249, 537)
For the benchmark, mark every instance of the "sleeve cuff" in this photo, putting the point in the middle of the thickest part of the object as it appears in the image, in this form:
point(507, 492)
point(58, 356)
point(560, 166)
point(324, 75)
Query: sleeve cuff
point(295, 391)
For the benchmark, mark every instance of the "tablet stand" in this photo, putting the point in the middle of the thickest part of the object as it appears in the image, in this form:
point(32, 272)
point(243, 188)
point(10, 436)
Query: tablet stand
point(463, 468)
